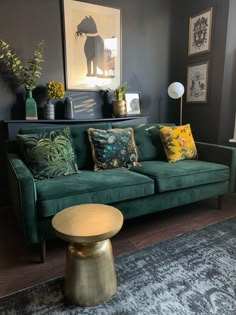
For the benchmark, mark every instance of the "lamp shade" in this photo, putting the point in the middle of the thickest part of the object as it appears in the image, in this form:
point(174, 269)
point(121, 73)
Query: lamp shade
point(176, 90)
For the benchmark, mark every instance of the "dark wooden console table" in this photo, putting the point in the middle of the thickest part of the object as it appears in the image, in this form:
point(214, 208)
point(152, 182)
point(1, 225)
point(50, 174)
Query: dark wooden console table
point(11, 127)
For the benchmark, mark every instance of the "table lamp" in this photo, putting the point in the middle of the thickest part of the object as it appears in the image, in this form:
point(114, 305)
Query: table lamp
point(176, 90)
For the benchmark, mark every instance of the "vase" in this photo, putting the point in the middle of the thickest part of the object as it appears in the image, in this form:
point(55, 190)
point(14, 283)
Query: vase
point(69, 108)
point(30, 107)
point(119, 109)
point(49, 111)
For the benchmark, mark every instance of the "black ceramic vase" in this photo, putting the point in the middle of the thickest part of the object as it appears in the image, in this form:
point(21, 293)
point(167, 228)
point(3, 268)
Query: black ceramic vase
point(69, 108)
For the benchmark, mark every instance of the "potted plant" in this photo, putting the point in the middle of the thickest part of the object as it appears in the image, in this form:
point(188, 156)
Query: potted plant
point(119, 106)
point(26, 75)
point(55, 90)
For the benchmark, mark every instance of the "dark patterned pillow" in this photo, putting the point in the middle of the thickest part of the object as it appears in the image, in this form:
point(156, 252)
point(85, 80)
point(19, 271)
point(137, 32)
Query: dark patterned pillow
point(113, 148)
point(50, 154)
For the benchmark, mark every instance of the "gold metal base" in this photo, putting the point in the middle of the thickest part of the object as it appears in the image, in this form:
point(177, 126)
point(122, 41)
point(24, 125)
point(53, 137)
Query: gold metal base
point(90, 276)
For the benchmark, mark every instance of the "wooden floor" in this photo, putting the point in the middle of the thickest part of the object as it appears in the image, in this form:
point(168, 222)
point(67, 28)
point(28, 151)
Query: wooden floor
point(19, 266)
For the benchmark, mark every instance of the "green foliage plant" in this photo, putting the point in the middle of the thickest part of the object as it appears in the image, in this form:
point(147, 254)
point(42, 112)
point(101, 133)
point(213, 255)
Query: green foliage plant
point(28, 74)
point(119, 92)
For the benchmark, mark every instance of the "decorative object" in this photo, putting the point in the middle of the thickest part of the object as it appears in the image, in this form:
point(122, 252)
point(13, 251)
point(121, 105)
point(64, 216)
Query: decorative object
point(133, 107)
point(28, 75)
point(200, 32)
point(192, 273)
point(49, 110)
point(50, 154)
point(31, 112)
point(118, 103)
point(55, 90)
point(69, 108)
point(197, 83)
point(178, 143)
point(88, 229)
point(175, 91)
point(113, 148)
point(92, 46)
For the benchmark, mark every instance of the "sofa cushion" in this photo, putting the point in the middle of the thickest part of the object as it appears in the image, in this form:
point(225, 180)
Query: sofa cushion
point(182, 174)
point(104, 187)
point(80, 140)
point(113, 148)
point(147, 141)
point(178, 143)
point(49, 154)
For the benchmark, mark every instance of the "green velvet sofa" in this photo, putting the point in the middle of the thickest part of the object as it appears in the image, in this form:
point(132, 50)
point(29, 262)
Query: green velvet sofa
point(154, 186)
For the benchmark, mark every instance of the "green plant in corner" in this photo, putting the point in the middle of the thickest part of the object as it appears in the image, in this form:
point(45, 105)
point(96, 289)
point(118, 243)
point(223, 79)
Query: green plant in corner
point(26, 74)
point(119, 92)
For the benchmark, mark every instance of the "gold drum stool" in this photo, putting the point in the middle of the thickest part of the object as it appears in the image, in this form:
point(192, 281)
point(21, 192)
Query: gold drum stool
point(90, 276)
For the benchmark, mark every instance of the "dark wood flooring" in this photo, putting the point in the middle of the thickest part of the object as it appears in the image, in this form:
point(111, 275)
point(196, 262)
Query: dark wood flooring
point(20, 267)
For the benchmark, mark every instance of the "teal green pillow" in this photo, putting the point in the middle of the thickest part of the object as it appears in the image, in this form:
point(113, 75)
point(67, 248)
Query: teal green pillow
point(113, 148)
point(49, 154)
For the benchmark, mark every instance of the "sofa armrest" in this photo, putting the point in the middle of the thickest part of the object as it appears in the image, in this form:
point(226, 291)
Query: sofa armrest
point(219, 154)
point(23, 196)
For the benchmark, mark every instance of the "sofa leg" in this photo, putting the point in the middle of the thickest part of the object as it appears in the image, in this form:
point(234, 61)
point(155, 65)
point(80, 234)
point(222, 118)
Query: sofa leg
point(220, 201)
point(43, 251)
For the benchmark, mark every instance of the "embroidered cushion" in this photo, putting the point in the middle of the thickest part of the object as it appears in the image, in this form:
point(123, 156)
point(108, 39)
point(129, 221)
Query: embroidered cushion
point(178, 143)
point(113, 148)
point(50, 154)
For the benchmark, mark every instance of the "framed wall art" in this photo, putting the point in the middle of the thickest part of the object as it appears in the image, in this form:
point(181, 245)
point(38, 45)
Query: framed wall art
point(200, 26)
point(133, 104)
point(92, 35)
point(197, 83)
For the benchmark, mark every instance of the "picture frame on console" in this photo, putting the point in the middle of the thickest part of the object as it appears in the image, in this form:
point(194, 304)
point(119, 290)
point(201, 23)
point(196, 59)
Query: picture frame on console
point(133, 103)
point(197, 83)
point(200, 26)
point(92, 43)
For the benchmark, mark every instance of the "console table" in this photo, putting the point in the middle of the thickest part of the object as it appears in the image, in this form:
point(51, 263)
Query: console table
point(11, 127)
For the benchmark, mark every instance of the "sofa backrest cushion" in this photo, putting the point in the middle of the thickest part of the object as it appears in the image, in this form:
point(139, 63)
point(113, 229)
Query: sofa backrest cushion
point(79, 137)
point(147, 139)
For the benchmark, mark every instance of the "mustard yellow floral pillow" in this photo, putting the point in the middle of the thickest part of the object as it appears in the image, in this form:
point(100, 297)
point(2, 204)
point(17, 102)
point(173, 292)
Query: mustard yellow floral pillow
point(178, 143)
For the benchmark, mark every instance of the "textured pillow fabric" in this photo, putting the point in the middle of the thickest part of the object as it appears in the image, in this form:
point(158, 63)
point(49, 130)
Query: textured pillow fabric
point(178, 143)
point(113, 148)
point(49, 154)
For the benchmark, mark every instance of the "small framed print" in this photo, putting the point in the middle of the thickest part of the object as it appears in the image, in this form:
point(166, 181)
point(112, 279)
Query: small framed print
point(200, 26)
point(133, 104)
point(197, 83)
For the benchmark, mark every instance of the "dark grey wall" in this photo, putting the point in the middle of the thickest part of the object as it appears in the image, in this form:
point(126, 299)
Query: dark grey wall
point(204, 117)
point(228, 101)
point(145, 50)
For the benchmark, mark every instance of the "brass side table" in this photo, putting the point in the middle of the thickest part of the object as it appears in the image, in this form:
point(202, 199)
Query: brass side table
point(90, 276)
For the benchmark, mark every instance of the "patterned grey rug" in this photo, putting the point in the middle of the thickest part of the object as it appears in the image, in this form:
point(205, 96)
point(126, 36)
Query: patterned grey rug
point(193, 273)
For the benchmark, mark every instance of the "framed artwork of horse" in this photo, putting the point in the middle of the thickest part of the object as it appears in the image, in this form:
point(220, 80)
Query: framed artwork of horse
point(92, 46)
point(200, 26)
point(197, 83)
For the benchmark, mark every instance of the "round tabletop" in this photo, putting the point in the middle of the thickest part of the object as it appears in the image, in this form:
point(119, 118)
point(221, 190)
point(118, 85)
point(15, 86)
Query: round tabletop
point(87, 223)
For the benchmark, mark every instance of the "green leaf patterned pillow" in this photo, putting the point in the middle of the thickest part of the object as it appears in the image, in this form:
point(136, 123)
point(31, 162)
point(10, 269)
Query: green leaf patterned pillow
point(50, 154)
point(113, 148)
